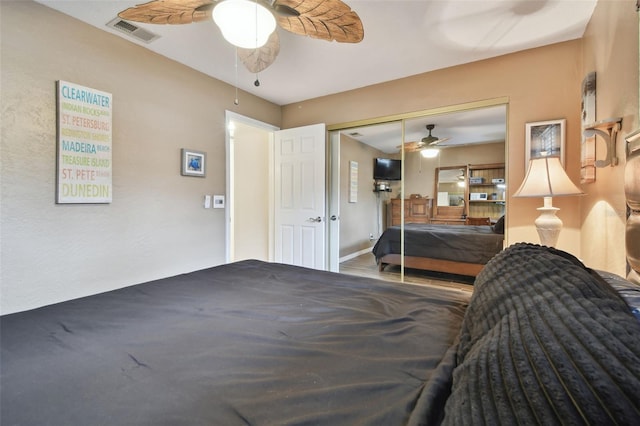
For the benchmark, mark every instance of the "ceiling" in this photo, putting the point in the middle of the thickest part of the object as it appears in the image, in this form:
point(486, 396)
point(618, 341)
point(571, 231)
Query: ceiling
point(477, 126)
point(401, 38)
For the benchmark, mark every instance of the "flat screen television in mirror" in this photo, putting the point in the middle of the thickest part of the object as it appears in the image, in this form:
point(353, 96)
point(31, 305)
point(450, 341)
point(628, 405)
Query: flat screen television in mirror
point(387, 169)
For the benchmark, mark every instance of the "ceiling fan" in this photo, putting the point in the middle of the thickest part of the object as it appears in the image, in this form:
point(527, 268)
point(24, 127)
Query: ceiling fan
point(428, 144)
point(330, 20)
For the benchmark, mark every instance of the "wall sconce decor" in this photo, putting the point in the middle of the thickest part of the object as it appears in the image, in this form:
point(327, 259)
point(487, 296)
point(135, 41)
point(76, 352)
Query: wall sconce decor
point(608, 130)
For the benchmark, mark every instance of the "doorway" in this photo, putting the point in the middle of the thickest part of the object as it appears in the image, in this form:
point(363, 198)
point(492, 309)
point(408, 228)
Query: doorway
point(275, 192)
point(249, 230)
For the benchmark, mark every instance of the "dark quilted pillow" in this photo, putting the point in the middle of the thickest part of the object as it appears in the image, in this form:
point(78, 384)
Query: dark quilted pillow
point(498, 228)
point(544, 341)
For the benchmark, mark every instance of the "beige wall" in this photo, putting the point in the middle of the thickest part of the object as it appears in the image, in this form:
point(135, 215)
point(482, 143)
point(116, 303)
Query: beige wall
point(251, 193)
point(610, 49)
point(358, 220)
point(156, 225)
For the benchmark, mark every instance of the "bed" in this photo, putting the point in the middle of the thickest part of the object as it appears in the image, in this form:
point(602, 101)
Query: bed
point(459, 249)
point(542, 339)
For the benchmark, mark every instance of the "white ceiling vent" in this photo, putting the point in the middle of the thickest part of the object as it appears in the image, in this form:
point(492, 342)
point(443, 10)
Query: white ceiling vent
point(132, 30)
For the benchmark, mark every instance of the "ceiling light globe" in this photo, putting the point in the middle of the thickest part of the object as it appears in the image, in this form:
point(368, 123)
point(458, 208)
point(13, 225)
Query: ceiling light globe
point(244, 23)
point(429, 153)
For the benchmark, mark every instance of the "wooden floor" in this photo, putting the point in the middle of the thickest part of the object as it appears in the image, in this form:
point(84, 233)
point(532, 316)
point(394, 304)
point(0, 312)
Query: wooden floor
point(365, 266)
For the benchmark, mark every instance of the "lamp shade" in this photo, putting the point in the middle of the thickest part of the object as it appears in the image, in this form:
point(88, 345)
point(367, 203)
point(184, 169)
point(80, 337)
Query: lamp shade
point(244, 23)
point(546, 178)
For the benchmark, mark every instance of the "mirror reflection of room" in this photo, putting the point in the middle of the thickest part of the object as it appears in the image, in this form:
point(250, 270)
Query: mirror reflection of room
point(451, 184)
point(374, 148)
point(466, 178)
point(434, 190)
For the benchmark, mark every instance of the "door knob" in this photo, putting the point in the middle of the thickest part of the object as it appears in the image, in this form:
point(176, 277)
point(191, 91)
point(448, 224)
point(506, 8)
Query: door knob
point(333, 217)
point(316, 219)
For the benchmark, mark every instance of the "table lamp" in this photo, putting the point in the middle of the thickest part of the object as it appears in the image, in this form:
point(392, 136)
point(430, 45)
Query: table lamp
point(546, 178)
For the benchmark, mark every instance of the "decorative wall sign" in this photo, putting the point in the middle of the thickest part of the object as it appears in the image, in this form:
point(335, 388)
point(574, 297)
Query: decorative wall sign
point(353, 181)
point(84, 169)
point(193, 163)
point(588, 143)
point(545, 139)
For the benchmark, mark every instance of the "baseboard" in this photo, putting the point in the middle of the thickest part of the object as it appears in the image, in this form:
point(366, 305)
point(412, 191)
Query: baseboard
point(356, 254)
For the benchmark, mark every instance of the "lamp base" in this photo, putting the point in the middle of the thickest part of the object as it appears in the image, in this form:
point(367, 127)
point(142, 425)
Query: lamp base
point(548, 224)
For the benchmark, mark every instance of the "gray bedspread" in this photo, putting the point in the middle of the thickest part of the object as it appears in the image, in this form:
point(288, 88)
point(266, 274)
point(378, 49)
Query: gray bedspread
point(470, 244)
point(249, 343)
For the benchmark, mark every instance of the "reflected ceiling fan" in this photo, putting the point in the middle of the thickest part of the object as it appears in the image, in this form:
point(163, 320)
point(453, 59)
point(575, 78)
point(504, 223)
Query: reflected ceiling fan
point(427, 146)
point(250, 24)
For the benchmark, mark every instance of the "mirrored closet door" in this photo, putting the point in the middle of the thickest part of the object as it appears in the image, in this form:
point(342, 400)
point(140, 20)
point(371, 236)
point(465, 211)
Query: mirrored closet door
point(414, 170)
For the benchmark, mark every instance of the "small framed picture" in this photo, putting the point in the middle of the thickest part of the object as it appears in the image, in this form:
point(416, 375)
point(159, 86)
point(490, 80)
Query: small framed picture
point(545, 139)
point(588, 145)
point(193, 163)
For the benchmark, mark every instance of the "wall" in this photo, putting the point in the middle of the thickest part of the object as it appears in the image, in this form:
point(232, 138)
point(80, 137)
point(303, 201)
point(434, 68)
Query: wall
point(251, 193)
point(611, 49)
point(156, 225)
point(358, 220)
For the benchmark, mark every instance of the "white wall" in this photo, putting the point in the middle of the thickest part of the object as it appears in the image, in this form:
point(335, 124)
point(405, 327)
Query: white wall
point(156, 225)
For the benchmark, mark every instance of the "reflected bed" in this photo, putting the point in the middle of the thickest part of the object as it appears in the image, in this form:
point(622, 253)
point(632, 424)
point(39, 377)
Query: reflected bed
point(454, 249)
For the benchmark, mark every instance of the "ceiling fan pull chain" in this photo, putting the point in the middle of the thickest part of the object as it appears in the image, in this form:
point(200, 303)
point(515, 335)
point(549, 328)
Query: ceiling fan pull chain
point(235, 101)
point(257, 82)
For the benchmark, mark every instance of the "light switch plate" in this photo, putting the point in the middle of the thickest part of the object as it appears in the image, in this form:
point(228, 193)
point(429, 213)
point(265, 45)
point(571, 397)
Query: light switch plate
point(218, 201)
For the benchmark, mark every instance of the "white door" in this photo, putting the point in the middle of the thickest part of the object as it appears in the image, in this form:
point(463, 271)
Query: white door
point(299, 202)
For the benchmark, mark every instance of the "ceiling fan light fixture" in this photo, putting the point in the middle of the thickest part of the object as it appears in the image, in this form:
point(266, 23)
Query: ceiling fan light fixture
point(430, 152)
point(244, 23)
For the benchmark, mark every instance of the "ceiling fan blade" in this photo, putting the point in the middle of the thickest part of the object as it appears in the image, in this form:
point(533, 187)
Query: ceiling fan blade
point(257, 60)
point(439, 141)
point(412, 146)
point(322, 19)
point(173, 12)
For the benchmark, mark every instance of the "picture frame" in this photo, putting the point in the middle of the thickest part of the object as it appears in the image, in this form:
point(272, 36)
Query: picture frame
point(353, 181)
point(193, 163)
point(588, 117)
point(545, 139)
